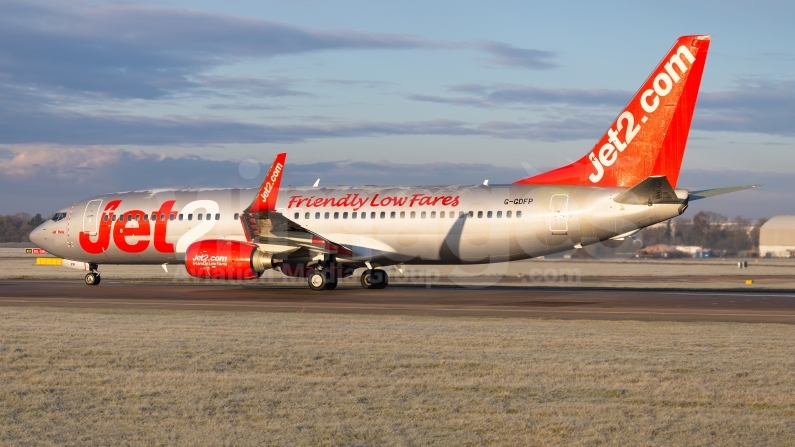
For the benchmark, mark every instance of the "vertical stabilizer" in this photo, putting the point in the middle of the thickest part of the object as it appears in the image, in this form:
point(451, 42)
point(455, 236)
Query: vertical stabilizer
point(648, 138)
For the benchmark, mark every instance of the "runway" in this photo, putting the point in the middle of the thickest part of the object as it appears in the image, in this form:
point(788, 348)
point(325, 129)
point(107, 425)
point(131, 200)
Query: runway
point(500, 302)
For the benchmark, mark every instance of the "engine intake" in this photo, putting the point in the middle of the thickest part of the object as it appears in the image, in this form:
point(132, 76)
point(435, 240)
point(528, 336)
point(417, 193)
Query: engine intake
point(223, 259)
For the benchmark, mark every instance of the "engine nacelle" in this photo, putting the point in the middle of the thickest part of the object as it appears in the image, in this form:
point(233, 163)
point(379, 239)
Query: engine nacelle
point(223, 259)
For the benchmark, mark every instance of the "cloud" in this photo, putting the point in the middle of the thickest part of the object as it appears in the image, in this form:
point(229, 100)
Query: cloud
point(500, 95)
point(511, 56)
point(124, 51)
point(758, 106)
point(40, 179)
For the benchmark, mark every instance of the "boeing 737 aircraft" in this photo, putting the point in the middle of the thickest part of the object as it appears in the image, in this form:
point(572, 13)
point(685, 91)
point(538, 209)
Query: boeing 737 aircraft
point(626, 182)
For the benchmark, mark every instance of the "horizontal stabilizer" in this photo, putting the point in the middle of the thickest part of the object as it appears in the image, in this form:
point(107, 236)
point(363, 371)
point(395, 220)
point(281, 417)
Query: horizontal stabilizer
point(651, 191)
point(698, 195)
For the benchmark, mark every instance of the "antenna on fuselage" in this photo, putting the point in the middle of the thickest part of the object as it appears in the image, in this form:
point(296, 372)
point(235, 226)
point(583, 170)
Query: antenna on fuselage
point(486, 182)
point(317, 182)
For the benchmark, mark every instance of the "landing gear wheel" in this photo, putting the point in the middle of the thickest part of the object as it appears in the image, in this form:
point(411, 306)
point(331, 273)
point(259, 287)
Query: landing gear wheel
point(92, 279)
point(374, 279)
point(322, 280)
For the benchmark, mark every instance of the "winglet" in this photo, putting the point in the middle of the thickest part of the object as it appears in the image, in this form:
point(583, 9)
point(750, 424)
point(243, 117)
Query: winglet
point(269, 191)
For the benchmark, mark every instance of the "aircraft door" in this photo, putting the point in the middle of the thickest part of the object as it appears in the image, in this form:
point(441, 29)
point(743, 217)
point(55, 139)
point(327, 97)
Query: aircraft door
point(91, 217)
point(558, 214)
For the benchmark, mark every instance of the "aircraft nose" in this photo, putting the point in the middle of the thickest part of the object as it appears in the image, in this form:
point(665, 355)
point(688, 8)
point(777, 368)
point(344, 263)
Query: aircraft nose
point(37, 236)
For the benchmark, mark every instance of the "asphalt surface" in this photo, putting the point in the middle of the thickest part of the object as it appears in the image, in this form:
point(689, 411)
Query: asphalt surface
point(501, 301)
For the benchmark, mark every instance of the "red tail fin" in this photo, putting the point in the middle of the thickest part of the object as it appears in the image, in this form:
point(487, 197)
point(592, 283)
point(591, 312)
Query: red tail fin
point(649, 136)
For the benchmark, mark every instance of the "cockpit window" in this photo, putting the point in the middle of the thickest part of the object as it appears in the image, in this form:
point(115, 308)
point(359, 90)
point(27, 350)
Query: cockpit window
point(58, 216)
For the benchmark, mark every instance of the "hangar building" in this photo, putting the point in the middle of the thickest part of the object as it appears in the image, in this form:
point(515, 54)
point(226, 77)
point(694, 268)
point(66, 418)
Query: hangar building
point(777, 237)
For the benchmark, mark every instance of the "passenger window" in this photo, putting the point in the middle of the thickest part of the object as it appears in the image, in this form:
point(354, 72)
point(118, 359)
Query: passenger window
point(295, 216)
point(218, 216)
point(383, 215)
point(499, 214)
point(113, 218)
point(480, 214)
point(488, 214)
point(345, 215)
point(518, 214)
point(326, 216)
point(190, 216)
point(336, 215)
point(413, 214)
point(392, 215)
point(441, 214)
point(402, 214)
point(198, 216)
point(237, 216)
point(508, 214)
point(180, 216)
point(121, 218)
point(306, 215)
point(209, 216)
point(472, 214)
point(105, 218)
point(372, 215)
point(317, 215)
point(364, 215)
point(433, 214)
point(353, 215)
point(146, 217)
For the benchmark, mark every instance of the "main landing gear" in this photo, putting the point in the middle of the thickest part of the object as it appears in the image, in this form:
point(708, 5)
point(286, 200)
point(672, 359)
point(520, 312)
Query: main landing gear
point(93, 278)
point(374, 279)
point(325, 279)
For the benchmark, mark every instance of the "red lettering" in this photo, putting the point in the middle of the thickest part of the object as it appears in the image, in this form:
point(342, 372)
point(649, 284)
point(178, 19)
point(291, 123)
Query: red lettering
point(455, 201)
point(436, 200)
point(318, 202)
point(426, 200)
point(103, 233)
point(414, 198)
point(160, 229)
point(400, 201)
point(327, 201)
point(294, 200)
point(121, 232)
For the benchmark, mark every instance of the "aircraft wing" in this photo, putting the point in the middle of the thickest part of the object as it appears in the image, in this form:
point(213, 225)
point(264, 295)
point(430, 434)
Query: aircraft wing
point(262, 224)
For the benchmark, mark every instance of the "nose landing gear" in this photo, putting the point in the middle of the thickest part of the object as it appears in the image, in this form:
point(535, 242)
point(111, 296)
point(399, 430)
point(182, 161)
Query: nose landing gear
point(93, 278)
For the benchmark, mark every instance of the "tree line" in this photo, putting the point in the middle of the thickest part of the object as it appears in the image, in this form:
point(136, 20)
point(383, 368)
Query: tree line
point(709, 230)
point(17, 227)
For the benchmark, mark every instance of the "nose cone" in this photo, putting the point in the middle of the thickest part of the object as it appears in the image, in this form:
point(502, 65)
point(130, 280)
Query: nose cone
point(37, 236)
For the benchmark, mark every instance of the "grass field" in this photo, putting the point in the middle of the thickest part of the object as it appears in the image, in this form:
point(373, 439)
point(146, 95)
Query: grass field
point(114, 377)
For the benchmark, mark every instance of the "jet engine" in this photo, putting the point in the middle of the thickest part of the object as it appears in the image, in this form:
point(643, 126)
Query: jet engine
point(223, 259)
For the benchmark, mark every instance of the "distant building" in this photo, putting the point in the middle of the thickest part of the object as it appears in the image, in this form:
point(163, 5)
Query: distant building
point(777, 237)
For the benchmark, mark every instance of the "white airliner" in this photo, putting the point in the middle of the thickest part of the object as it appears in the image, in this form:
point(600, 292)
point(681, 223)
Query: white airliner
point(625, 183)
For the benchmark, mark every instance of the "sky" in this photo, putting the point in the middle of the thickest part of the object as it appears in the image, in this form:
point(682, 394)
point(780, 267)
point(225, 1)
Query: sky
point(100, 96)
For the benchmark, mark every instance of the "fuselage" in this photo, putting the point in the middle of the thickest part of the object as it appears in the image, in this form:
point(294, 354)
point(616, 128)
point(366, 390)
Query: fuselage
point(458, 224)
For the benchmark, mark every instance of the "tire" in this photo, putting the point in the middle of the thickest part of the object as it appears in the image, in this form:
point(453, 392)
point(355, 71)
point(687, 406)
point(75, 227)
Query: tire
point(374, 279)
point(367, 279)
point(92, 279)
point(99, 279)
point(317, 280)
